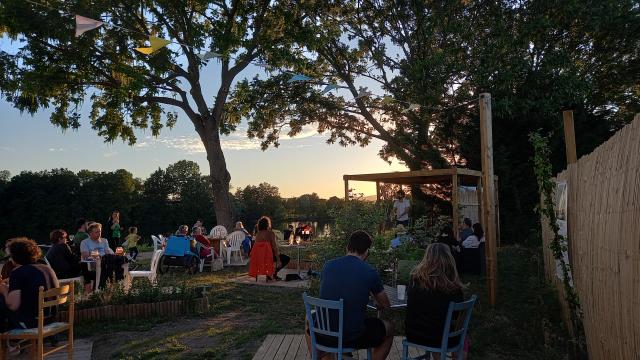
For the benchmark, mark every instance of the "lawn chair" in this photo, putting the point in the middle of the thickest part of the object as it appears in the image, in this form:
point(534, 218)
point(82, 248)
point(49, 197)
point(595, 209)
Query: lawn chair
point(234, 245)
point(150, 274)
point(214, 262)
point(46, 299)
point(319, 320)
point(462, 325)
point(178, 253)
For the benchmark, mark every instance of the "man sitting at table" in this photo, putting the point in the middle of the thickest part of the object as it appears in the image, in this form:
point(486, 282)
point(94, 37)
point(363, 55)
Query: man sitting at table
point(350, 278)
point(95, 242)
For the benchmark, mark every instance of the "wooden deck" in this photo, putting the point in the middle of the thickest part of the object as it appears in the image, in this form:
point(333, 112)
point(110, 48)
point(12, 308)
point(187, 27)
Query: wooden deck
point(294, 347)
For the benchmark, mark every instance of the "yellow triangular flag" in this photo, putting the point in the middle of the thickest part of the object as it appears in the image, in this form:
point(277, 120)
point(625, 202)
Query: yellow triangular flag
point(156, 44)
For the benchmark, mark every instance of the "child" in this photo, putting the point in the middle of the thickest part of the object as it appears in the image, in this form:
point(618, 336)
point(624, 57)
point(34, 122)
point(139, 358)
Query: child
point(132, 242)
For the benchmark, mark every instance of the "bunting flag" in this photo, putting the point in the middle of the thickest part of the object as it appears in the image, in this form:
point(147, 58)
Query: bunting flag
point(364, 92)
point(156, 44)
point(84, 24)
point(298, 77)
point(209, 55)
point(411, 107)
point(330, 87)
point(387, 100)
point(264, 65)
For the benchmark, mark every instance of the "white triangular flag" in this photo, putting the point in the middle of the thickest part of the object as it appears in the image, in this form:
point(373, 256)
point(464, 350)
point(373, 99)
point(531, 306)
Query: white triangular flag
point(264, 65)
point(209, 55)
point(84, 24)
point(364, 92)
point(411, 107)
point(298, 77)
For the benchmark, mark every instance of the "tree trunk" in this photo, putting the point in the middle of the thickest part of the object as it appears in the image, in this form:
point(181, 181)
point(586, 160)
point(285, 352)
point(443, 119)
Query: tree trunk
point(220, 177)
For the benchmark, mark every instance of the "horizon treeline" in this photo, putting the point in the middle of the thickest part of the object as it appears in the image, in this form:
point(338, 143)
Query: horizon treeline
point(33, 203)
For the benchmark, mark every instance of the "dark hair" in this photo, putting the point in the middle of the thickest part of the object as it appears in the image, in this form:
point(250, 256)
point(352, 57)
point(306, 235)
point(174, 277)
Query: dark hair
point(80, 222)
point(400, 192)
point(446, 232)
point(264, 223)
point(24, 251)
point(56, 235)
point(477, 231)
point(132, 229)
point(467, 222)
point(359, 242)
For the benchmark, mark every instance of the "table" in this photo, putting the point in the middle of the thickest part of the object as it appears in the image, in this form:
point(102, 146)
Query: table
point(392, 293)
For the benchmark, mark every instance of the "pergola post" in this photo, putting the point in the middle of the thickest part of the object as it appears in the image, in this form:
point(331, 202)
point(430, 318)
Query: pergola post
point(488, 193)
point(479, 195)
point(377, 191)
point(346, 189)
point(454, 202)
point(569, 137)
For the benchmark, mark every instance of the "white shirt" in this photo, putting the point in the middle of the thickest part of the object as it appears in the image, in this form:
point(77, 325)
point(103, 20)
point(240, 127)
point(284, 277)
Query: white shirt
point(472, 242)
point(400, 206)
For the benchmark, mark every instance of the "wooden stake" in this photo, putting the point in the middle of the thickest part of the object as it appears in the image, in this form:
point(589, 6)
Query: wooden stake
point(377, 191)
point(569, 137)
point(489, 218)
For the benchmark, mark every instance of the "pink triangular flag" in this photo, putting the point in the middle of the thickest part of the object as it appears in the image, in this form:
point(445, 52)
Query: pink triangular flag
point(84, 24)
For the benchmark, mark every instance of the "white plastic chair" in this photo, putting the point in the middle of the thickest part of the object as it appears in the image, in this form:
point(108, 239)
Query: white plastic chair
point(150, 274)
point(157, 243)
point(218, 232)
point(234, 245)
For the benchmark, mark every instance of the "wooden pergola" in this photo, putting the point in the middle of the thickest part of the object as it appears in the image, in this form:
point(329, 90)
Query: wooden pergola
point(456, 176)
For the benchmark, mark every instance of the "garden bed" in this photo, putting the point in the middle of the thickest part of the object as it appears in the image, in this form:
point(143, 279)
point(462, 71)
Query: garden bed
point(169, 308)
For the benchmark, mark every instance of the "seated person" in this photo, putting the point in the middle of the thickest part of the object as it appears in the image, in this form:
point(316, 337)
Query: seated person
point(288, 235)
point(434, 283)
point(60, 257)
point(19, 298)
point(95, 244)
point(248, 239)
point(446, 237)
point(205, 249)
point(401, 237)
point(9, 265)
point(350, 278)
point(183, 230)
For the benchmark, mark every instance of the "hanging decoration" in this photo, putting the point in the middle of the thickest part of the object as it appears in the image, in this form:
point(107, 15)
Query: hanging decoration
point(84, 24)
point(411, 107)
point(210, 55)
point(298, 77)
point(330, 87)
point(364, 92)
point(156, 44)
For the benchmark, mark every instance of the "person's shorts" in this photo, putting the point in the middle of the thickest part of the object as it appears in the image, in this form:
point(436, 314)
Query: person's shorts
point(373, 335)
point(402, 222)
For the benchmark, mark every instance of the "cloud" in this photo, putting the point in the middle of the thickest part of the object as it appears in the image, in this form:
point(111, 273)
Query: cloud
point(56, 149)
point(8, 149)
point(110, 154)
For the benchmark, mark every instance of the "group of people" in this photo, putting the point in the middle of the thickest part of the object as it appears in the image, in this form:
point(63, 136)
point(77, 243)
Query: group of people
point(433, 284)
point(468, 248)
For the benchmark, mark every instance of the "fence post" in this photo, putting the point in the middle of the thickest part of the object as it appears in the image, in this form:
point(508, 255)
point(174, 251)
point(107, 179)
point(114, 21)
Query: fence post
point(569, 137)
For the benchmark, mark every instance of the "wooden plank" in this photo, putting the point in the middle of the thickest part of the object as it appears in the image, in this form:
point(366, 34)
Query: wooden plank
point(486, 148)
point(297, 341)
point(396, 349)
point(264, 347)
point(284, 347)
point(569, 137)
point(346, 189)
point(303, 351)
point(273, 348)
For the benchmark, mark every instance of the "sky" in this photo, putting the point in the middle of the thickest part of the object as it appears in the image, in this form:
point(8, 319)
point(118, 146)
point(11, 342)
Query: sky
point(301, 165)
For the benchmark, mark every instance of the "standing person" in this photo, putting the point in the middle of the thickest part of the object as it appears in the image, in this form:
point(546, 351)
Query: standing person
point(288, 235)
point(114, 230)
point(81, 232)
point(465, 230)
point(19, 298)
point(132, 242)
point(265, 234)
point(401, 207)
point(434, 284)
point(350, 278)
point(60, 257)
point(473, 251)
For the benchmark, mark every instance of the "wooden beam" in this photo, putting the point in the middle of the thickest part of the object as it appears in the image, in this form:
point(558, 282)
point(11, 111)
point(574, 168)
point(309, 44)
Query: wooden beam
point(377, 191)
point(497, 211)
point(346, 189)
point(455, 204)
point(486, 148)
point(569, 137)
point(479, 195)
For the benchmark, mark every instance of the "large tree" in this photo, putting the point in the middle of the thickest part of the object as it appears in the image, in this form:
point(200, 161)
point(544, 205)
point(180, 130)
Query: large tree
point(536, 57)
point(128, 90)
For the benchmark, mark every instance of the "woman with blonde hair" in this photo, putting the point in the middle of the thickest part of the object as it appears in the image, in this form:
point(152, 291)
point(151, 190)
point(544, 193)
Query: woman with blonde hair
point(434, 284)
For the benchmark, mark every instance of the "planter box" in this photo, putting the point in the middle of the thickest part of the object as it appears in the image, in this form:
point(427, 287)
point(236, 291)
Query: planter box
point(170, 308)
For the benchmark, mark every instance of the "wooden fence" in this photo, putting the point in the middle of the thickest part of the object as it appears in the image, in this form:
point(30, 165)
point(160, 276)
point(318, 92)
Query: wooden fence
point(604, 243)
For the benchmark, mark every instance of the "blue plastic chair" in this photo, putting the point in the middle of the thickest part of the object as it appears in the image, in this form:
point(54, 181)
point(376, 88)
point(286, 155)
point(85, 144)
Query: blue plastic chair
point(466, 307)
point(318, 316)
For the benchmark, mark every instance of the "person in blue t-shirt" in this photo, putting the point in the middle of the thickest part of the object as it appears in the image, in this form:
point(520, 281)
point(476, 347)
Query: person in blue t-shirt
point(350, 278)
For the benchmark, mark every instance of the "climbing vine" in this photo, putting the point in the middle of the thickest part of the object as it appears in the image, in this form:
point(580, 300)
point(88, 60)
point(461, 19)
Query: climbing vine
point(546, 188)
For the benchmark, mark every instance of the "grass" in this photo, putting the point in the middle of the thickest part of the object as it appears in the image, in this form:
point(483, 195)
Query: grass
point(525, 324)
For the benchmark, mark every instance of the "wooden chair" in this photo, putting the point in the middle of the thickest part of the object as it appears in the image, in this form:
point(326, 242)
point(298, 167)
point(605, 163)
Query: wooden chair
point(46, 299)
